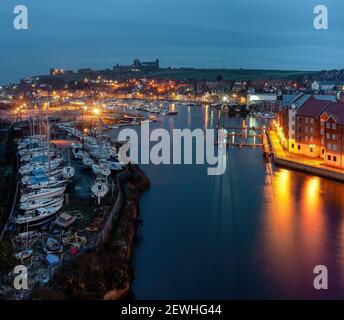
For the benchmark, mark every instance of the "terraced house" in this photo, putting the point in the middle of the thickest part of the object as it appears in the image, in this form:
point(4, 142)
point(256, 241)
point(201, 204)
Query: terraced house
point(308, 138)
point(290, 106)
point(332, 135)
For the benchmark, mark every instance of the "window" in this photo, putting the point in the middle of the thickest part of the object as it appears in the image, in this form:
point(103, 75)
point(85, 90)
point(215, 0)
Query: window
point(322, 151)
point(312, 130)
point(298, 147)
point(311, 149)
point(334, 147)
point(311, 138)
point(306, 129)
point(329, 158)
point(312, 120)
point(329, 146)
point(333, 137)
point(328, 125)
point(334, 158)
point(306, 138)
point(328, 136)
point(292, 145)
point(322, 132)
point(293, 127)
point(306, 120)
point(293, 118)
point(334, 127)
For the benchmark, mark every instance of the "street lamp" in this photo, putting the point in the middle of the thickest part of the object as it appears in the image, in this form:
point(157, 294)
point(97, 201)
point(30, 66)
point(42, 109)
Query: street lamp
point(96, 111)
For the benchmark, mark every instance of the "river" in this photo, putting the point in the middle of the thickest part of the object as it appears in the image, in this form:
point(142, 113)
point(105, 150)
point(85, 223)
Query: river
point(245, 234)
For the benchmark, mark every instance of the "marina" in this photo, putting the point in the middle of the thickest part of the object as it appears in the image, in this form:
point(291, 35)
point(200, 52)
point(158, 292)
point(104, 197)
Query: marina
point(62, 205)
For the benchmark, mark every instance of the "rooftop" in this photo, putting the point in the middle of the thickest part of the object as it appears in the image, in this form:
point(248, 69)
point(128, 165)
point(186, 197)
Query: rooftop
point(313, 107)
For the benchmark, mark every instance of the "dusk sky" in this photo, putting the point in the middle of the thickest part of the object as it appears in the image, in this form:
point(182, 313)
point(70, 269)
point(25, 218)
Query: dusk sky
point(196, 33)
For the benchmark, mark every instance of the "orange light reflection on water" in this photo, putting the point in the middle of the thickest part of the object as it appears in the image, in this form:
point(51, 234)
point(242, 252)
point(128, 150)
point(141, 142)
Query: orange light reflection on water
point(206, 116)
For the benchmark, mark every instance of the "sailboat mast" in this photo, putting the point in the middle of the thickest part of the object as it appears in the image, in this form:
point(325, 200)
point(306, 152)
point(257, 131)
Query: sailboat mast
point(48, 137)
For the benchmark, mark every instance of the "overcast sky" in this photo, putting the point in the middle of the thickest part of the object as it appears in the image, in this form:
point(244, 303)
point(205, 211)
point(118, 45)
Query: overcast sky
point(70, 34)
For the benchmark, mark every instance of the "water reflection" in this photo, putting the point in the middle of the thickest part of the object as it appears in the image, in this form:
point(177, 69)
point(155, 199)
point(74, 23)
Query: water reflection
point(255, 232)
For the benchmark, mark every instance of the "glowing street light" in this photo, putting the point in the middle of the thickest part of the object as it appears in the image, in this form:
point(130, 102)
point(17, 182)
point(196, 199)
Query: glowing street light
point(96, 111)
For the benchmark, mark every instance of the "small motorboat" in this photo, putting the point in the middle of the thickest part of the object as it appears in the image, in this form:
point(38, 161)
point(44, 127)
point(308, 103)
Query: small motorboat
point(53, 246)
point(88, 162)
point(65, 220)
point(76, 145)
point(79, 154)
point(25, 254)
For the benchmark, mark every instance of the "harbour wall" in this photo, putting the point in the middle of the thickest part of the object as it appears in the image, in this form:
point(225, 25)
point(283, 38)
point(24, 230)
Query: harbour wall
point(322, 172)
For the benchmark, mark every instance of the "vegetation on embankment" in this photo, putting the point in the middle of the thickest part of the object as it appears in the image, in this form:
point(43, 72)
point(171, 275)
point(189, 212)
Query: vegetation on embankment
point(8, 181)
point(104, 273)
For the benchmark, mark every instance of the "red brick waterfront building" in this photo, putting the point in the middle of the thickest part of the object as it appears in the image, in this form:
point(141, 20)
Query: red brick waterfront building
point(308, 125)
point(332, 135)
point(319, 130)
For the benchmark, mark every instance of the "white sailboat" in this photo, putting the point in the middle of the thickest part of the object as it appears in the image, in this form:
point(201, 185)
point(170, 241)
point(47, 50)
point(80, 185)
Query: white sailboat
point(68, 172)
point(40, 203)
point(102, 168)
point(100, 188)
point(47, 184)
point(28, 168)
point(53, 176)
point(43, 193)
point(39, 216)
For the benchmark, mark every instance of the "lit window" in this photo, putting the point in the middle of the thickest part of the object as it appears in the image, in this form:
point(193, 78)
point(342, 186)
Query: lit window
point(328, 136)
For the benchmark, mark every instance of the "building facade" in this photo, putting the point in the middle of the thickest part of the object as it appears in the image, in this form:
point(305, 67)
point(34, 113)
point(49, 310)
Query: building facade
point(308, 124)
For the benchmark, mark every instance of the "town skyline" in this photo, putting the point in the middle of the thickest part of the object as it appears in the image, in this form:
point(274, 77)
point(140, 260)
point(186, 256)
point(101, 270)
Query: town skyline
point(259, 35)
